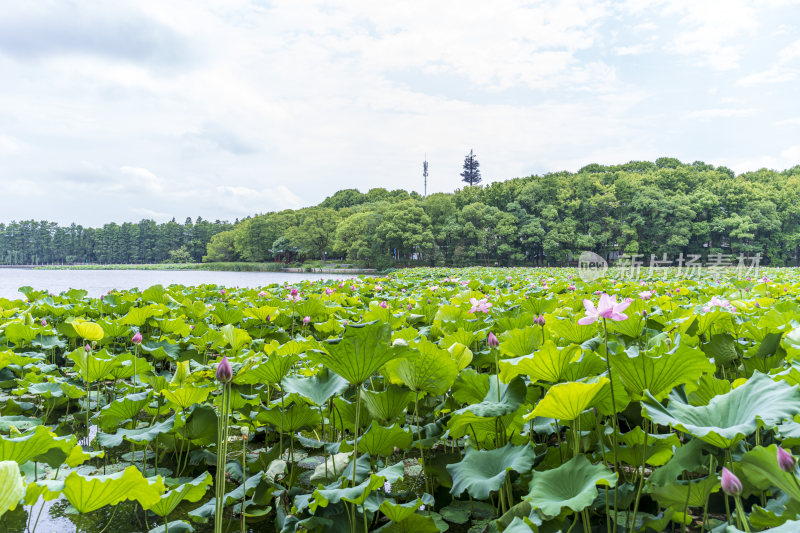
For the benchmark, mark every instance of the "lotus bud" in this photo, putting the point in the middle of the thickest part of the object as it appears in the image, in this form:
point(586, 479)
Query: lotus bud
point(245, 430)
point(306, 320)
point(137, 338)
point(492, 341)
point(384, 304)
point(262, 294)
point(730, 483)
point(540, 320)
point(410, 307)
point(87, 348)
point(44, 322)
point(785, 460)
point(294, 292)
point(224, 370)
point(222, 292)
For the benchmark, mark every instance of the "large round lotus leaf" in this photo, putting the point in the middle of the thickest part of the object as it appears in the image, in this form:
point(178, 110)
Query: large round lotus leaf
point(89, 331)
point(659, 375)
point(572, 485)
point(566, 401)
point(730, 417)
point(484, 471)
point(426, 369)
point(11, 486)
point(90, 493)
point(316, 389)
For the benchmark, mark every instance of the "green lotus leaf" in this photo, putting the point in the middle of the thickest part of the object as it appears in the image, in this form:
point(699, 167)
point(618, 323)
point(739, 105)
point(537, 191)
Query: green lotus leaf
point(516, 342)
point(191, 491)
point(566, 401)
point(12, 358)
point(484, 471)
point(88, 330)
point(397, 512)
point(568, 329)
point(175, 325)
point(790, 526)
point(124, 408)
point(679, 492)
point(11, 486)
point(385, 406)
point(546, 364)
point(659, 447)
point(760, 467)
point(113, 328)
point(187, 396)
point(176, 526)
point(313, 308)
point(48, 342)
point(262, 313)
point(659, 375)
point(32, 444)
point(21, 423)
point(137, 316)
point(271, 370)
point(428, 368)
point(416, 523)
point(235, 337)
point(471, 386)
point(722, 347)
point(360, 352)
point(93, 492)
point(705, 388)
point(730, 417)
point(19, 333)
point(94, 366)
point(47, 489)
point(201, 424)
point(136, 436)
point(379, 440)
point(572, 485)
point(461, 354)
point(357, 494)
point(161, 349)
point(295, 417)
point(317, 389)
point(511, 395)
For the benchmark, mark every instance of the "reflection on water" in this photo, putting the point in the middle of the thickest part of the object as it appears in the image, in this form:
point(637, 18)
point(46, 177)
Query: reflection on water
point(99, 282)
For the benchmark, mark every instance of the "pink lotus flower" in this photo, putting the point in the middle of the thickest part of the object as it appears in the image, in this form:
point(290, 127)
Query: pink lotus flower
point(786, 461)
point(137, 338)
point(224, 370)
point(730, 483)
point(262, 294)
point(479, 306)
point(572, 287)
point(222, 292)
point(607, 308)
point(306, 320)
point(384, 304)
point(328, 291)
point(646, 295)
point(718, 302)
point(492, 341)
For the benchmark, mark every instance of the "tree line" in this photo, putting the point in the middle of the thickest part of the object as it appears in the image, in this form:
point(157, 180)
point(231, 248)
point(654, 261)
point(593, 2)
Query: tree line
point(640, 207)
point(31, 242)
point(662, 207)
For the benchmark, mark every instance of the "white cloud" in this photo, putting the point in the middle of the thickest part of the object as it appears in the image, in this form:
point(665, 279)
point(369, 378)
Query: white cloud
point(794, 121)
point(720, 112)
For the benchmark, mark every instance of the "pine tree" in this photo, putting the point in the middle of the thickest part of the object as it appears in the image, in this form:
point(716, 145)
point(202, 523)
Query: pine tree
point(472, 173)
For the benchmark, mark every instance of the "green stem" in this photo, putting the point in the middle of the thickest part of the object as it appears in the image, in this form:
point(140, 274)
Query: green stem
point(355, 439)
point(741, 517)
point(613, 408)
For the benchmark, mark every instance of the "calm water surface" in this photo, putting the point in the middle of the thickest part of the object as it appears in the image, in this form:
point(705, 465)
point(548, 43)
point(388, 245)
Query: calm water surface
point(99, 282)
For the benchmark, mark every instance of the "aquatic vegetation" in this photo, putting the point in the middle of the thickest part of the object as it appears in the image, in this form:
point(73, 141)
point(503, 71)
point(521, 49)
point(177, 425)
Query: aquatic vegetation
point(425, 400)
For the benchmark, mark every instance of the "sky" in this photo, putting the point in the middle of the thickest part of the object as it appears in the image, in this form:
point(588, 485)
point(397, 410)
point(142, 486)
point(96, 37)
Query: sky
point(118, 111)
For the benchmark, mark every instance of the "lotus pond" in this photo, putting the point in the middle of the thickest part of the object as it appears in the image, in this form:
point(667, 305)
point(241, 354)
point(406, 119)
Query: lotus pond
point(430, 400)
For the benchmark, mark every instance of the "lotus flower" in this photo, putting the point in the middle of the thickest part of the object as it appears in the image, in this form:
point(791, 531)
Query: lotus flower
point(608, 307)
point(262, 294)
point(730, 483)
point(646, 295)
point(137, 338)
point(383, 304)
point(785, 460)
point(306, 320)
point(492, 341)
point(224, 370)
point(222, 292)
point(328, 291)
point(479, 306)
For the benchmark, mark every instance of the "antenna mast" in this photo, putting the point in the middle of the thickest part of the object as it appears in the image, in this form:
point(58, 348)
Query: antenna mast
point(425, 173)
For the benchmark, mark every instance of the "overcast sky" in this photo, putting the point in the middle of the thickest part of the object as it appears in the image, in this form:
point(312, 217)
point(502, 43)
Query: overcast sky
point(117, 111)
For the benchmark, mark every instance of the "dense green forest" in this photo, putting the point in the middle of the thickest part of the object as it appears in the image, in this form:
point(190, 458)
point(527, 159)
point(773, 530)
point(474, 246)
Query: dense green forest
point(31, 242)
point(665, 207)
point(661, 207)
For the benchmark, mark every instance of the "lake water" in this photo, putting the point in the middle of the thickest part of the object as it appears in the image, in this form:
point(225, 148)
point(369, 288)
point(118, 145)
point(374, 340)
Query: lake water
point(99, 282)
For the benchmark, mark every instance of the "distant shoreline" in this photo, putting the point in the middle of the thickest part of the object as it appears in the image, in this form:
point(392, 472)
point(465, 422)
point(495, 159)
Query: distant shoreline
point(218, 267)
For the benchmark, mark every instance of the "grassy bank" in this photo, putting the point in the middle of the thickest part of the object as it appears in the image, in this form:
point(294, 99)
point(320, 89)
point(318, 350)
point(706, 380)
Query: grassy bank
point(218, 267)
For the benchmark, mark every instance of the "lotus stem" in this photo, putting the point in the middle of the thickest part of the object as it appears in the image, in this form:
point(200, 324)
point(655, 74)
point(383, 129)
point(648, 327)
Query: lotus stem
point(222, 452)
point(740, 516)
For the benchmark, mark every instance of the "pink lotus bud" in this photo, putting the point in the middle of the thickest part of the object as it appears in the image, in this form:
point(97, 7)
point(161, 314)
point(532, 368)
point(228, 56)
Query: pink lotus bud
point(730, 483)
point(492, 341)
point(44, 322)
point(262, 294)
point(222, 292)
point(87, 348)
point(224, 370)
point(384, 304)
point(410, 307)
point(294, 292)
point(785, 460)
point(306, 320)
point(341, 285)
point(352, 287)
point(540, 320)
point(345, 322)
point(191, 326)
point(137, 338)
point(572, 287)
